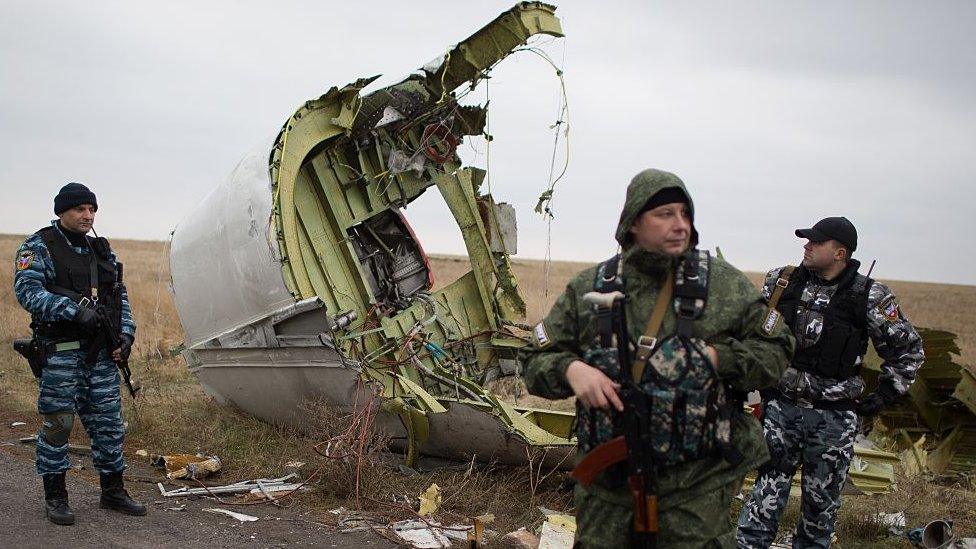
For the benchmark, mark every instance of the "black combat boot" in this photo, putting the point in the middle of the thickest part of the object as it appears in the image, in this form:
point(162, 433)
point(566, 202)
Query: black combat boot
point(56, 498)
point(116, 498)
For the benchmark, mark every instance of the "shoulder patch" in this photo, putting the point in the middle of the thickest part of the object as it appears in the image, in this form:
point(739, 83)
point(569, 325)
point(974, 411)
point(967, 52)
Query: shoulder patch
point(24, 259)
point(772, 317)
point(889, 308)
point(540, 337)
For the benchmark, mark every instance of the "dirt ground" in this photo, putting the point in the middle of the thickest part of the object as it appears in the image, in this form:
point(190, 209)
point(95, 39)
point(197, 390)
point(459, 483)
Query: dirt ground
point(23, 524)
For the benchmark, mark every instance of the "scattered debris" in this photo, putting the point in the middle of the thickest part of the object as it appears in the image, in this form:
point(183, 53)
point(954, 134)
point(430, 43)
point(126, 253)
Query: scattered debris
point(521, 539)
point(294, 464)
point(478, 533)
point(338, 511)
point(936, 534)
point(239, 516)
point(560, 520)
point(430, 500)
point(17, 424)
point(557, 531)
point(421, 536)
point(359, 523)
point(891, 520)
point(142, 453)
point(556, 537)
point(180, 508)
point(187, 466)
point(246, 486)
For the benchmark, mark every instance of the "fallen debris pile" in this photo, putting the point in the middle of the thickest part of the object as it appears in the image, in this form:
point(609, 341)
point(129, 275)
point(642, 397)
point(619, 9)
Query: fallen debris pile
point(259, 487)
point(936, 423)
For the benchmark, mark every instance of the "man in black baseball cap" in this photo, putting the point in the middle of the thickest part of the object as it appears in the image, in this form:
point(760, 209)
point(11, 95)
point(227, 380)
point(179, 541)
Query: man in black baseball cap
point(832, 228)
point(811, 418)
point(830, 243)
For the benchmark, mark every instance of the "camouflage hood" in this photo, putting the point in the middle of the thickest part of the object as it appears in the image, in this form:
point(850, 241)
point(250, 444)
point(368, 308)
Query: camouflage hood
point(641, 189)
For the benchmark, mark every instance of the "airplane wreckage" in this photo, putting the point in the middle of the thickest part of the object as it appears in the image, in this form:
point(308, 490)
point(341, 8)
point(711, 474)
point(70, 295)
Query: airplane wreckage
point(299, 279)
point(299, 276)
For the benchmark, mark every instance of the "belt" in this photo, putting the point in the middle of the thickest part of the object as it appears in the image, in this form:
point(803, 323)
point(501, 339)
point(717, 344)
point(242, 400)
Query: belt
point(62, 346)
point(841, 405)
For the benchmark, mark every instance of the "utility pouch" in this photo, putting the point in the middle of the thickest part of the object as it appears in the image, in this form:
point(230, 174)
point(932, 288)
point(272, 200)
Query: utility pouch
point(34, 352)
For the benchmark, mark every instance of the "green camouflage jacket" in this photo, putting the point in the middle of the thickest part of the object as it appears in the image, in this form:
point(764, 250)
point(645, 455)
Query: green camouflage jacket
point(731, 323)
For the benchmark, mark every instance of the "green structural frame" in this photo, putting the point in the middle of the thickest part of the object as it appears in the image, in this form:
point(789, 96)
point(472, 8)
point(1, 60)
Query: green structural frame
point(330, 170)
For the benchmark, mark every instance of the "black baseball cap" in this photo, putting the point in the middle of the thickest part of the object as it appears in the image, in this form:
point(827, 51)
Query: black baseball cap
point(832, 228)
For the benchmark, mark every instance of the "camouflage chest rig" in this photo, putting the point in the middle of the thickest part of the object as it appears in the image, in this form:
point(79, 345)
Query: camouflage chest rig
point(686, 403)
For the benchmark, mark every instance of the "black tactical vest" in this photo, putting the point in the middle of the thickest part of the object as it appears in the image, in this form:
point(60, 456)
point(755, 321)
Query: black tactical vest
point(843, 337)
point(73, 278)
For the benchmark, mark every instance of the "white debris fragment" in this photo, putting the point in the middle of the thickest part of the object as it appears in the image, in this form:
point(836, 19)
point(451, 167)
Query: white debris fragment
point(457, 532)
point(239, 516)
point(555, 536)
point(17, 424)
point(424, 538)
point(891, 520)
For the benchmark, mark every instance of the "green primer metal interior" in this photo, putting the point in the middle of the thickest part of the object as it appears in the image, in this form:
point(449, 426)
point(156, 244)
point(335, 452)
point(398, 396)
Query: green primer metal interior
point(941, 405)
point(330, 170)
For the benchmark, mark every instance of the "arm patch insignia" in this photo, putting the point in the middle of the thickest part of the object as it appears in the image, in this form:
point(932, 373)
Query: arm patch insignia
point(540, 337)
point(889, 308)
point(770, 322)
point(24, 259)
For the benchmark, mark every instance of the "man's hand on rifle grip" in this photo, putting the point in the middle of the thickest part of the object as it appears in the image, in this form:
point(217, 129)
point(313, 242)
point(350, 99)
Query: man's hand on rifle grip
point(592, 387)
point(122, 353)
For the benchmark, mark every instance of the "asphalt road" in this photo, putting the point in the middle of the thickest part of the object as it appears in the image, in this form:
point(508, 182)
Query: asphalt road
point(23, 524)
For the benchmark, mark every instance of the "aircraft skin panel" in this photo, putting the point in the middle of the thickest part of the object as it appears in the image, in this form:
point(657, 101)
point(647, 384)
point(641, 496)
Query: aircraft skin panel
point(225, 262)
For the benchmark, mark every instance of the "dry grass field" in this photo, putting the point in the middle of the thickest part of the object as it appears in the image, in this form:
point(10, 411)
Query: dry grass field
point(174, 415)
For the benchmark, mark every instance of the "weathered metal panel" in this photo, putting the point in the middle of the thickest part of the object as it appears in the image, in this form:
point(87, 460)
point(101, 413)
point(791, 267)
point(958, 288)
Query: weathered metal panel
point(224, 255)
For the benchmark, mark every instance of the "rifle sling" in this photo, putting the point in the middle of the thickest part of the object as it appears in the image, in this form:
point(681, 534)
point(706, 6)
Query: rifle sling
point(772, 317)
point(648, 342)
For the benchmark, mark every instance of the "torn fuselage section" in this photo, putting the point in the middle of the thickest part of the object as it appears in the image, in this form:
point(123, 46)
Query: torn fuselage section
point(343, 169)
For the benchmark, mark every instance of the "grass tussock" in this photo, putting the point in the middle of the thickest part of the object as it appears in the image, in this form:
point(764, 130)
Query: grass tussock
point(174, 415)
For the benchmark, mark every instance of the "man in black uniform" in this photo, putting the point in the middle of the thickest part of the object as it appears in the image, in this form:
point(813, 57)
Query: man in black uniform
point(70, 283)
point(811, 417)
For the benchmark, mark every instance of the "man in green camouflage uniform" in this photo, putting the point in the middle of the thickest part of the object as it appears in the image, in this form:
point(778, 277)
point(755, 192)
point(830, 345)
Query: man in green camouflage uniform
point(655, 229)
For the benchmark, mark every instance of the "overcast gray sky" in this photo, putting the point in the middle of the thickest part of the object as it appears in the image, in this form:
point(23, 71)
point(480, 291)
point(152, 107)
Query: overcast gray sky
point(775, 114)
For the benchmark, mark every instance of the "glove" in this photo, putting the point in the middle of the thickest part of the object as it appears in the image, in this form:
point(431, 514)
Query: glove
point(126, 347)
point(871, 405)
point(87, 319)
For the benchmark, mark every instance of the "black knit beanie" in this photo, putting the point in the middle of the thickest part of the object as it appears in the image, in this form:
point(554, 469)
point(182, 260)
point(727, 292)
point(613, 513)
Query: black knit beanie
point(71, 195)
point(669, 195)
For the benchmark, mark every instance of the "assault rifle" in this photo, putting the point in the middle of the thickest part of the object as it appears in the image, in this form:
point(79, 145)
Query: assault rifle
point(109, 336)
point(633, 446)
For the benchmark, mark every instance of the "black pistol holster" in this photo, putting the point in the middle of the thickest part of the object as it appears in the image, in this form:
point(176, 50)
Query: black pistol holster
point(34, 352)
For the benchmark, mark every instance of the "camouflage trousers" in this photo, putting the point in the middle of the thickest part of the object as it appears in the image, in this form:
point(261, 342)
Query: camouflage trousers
point(822, 441)
point(69, 386)
point(702, 522)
